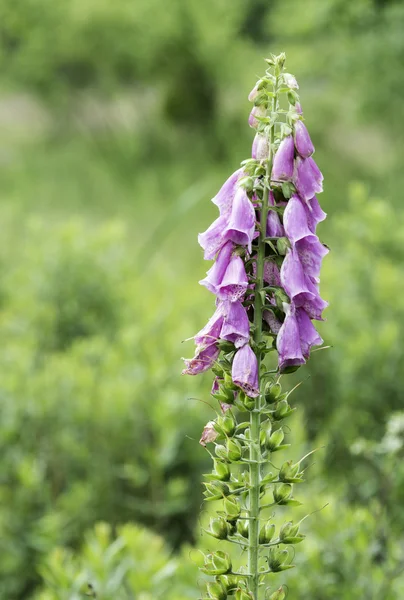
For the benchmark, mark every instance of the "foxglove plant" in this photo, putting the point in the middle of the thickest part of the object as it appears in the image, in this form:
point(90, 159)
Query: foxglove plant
point(266, 282)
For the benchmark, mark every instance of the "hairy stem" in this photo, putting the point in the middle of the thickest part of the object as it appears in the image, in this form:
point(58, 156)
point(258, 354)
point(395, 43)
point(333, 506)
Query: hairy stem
point(255, 417)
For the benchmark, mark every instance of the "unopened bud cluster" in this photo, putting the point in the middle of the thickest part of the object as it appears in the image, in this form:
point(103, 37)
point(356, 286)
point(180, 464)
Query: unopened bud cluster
point(265, 279)
point(229, 483)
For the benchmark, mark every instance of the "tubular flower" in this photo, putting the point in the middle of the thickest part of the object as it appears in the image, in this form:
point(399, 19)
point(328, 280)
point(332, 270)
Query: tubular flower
point(245, 371)
point(282, 169)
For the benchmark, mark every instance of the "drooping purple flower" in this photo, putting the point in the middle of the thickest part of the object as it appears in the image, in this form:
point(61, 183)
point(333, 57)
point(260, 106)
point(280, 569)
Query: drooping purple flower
point(303, 142)
point(215, 386)
point(308, 334)
point(296, 337)
point(225, 196)
point(282, 169)
point(272, 321)
point(298, 108)
point(211, 332)
point(260, 147)
point(253, 94)
point(209, 434)
point(235, 282)
point(245, 371)
point(290, 81)
point(311, 253)
point(307, 178)
point(257, 111)
point(212, 239)
point(204, 359)
point(299, 287)
point(274, 225)
point(214, 276)
point(236, 326)
point(288, 341)
point(295, 220)
point(271, 273)
point(240, 228)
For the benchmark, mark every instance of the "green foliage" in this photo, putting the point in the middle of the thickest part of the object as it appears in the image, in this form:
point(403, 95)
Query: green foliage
point(136, 564)
point(91, 397)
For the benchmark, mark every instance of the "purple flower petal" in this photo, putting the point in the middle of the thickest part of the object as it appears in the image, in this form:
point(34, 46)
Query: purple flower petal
point(253, 94)
point(236, 326)
point(260, 147)
point(308, 334)
point(307, 178)
point(283, 161)
point(245, 371)
point(235, 282)
point(216, 273)
point(311, 253)
point(203, 360)
point(211, 332)
point(315, 214)
point(288, 341)
point(209, 433)
point(257, 111)
point(303, 143)
point(271, 273)
point(273, 323)
point(290, 81)
point(212, 239)
point(225, 196)
point(241, 226)
point(298, 108)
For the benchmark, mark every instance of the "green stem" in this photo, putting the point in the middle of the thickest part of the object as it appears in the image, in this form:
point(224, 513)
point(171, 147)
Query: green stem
point(255, 416)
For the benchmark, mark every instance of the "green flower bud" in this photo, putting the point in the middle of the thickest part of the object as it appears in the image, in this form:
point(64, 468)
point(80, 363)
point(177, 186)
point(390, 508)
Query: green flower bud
point(222, 470)
point(234, 450)
point(282, 492)
point(227, 424)
point(276, 559)
point(217, 563)
point(243, 595)
point(215, 490)
point(218, 528)
point(228, 382)
point(248, 403)
point(232, 508)
point(278, 595)
point(230, 582)
point(289, 534)
point(242, 528)
point(275, 440)
point(266, 533)
point(221, 451)
point(282, 245)
point(272, 392)
point(288, 530)
point(289, 472)
point(282, 410)
point(216, 591)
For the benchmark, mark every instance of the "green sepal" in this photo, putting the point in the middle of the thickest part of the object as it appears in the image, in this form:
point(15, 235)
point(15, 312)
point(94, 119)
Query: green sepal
point(216, 591)
point(279, 594)
point(217, 563)
point(293, 540)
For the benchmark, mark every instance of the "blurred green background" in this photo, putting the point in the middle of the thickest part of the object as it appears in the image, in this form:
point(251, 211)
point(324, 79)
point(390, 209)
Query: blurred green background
point(119, 121)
